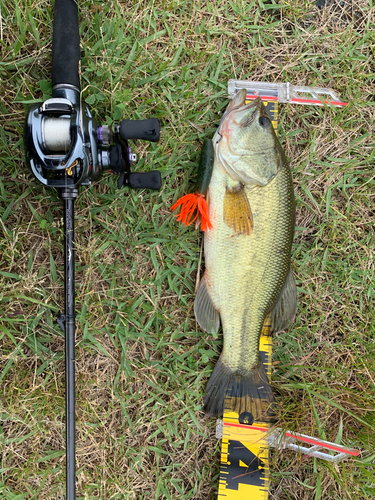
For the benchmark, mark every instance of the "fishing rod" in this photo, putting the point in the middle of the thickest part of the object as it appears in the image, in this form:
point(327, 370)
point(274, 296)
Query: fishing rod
point(66, 149)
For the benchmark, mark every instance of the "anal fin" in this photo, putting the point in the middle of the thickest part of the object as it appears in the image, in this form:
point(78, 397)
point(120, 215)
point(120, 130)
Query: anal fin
point(283, 312)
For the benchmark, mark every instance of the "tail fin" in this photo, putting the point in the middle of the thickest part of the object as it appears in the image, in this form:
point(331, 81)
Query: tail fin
point(241, 391)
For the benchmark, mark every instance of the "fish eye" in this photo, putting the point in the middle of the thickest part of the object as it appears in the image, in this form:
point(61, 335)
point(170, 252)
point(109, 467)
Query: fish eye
point(264, 122)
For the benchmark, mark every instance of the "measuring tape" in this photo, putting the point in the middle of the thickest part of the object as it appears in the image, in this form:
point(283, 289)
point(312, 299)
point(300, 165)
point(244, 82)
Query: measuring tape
point(273, 111)
point(244, 471)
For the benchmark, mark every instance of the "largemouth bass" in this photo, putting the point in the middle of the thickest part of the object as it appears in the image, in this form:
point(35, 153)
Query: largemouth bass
point(248, 280)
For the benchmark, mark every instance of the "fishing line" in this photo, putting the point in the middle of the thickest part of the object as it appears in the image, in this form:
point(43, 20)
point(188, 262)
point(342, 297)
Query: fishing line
point(56, 134)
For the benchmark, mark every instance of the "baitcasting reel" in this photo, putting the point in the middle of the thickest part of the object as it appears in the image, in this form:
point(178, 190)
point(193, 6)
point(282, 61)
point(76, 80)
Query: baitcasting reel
point(67, 149)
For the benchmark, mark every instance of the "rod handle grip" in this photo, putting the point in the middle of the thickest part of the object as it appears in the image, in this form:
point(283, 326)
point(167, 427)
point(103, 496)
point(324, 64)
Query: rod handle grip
point(65, 44)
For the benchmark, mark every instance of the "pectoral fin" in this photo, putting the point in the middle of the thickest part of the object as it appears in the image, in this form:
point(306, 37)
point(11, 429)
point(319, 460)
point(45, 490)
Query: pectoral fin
point(282, 314)
point(206, 315)
point(237, 211)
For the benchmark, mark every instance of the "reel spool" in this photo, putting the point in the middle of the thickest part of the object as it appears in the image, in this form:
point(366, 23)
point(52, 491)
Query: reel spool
point(56, 135)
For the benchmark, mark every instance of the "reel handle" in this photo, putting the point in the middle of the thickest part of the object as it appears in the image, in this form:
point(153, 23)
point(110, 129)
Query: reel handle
point(65, 44)
point(146, 130)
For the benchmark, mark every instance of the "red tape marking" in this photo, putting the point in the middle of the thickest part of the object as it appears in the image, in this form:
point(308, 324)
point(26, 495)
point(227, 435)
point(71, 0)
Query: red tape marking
point(316, 101)
point(313, 441)
point(263, 97)
point(295, 99)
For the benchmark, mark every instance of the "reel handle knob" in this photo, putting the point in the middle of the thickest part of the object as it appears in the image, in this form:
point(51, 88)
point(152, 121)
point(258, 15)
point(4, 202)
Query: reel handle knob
point(145, 180)
point(146, 130)
point(140, 180)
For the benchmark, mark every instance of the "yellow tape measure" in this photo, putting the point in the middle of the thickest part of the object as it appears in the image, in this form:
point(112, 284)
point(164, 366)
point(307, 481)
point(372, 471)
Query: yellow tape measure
point(244, 471)
point(272, 110)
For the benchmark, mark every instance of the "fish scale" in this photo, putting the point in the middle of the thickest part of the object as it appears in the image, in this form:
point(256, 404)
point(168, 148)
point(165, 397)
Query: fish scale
point(247, 256)
point(246, 273)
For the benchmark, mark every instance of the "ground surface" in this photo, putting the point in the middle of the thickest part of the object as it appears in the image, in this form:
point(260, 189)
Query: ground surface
point(142, 362)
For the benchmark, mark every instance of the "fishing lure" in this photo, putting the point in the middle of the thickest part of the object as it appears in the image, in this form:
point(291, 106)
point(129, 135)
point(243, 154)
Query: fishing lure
point(194, 206)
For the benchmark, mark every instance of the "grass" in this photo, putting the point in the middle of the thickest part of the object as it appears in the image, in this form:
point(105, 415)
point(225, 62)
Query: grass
point(142, 362)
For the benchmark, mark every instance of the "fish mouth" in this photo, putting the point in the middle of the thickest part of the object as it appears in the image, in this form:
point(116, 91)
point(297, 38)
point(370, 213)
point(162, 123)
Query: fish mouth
point(250, 119)
point(254, 105)
point(238, 104)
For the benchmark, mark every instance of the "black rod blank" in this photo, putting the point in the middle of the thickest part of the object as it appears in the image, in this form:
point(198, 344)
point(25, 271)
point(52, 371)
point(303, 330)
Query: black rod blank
point(68, 198)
